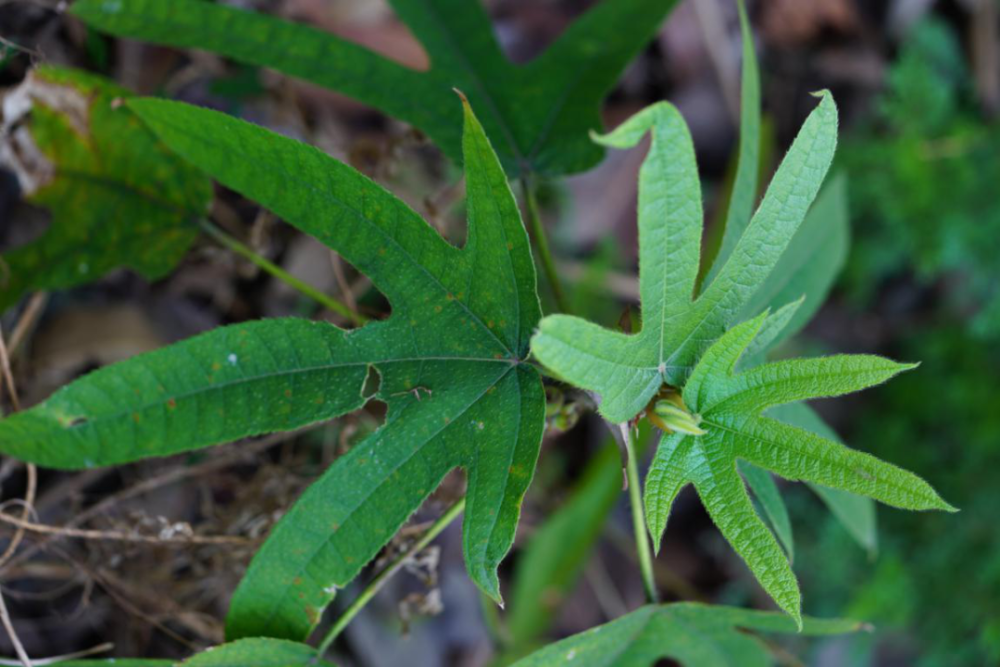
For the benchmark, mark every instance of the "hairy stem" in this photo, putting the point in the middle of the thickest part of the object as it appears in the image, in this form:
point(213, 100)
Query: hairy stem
point(380, 580)
point(638, 518)
point(273, 269)
point(542, 245)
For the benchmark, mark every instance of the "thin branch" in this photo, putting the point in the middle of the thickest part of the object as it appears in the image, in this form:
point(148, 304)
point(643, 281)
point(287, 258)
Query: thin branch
point(118, 536)
point(8, 375)
point(380, 580)
point(276, 271)
point(36, 304)
point(101, 648)
point(8, 625)
point(638, 518)
point(29, 496)
point(240, 452)
point(542, 244)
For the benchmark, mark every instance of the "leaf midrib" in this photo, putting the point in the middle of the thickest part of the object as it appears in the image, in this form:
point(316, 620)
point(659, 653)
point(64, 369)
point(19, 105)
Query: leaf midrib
point(463, 62)
point(743, 392)
point(222, 386)
point(715, 303)
point(905, 490)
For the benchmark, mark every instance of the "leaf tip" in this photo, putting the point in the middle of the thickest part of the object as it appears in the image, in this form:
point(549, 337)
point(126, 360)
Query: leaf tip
point(599, 138)
point(461, 96)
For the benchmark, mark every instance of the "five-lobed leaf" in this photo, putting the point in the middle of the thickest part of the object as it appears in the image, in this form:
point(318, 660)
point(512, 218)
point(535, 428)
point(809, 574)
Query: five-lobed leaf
point(118, 198)
point(730, 406)
point(627, 370)
point(449, 361)
point(694, 635)
point(537, 114)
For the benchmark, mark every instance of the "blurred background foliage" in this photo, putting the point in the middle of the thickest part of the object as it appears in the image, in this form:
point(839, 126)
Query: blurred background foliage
point(918, 82)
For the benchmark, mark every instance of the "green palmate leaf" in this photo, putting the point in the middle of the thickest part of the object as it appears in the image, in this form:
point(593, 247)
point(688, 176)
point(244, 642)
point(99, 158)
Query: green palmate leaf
point(730, 407)
point(449, 360)
point(676, 327)
point(538, 114)
point(694, 635)
point(117, 196)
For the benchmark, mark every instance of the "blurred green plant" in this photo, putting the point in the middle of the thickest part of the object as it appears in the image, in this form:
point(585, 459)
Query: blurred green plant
point(690, 633)
point(537, 114)
point(914, 590)
point(923, 174)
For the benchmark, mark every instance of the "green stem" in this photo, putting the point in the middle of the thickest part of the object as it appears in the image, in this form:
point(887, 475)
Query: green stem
point(542, 244)
point(638, 518)
point(380, 580)
point(273, 269)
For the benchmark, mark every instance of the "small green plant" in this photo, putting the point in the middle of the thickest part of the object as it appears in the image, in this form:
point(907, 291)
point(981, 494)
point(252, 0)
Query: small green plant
point(686, 347)
point(460, 360)
point(923, 172)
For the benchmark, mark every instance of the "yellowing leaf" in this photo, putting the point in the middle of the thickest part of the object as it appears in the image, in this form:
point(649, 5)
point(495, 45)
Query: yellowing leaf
point(117, 196)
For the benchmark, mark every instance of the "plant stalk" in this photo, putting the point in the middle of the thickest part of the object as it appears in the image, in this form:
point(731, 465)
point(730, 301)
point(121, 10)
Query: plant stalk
point(542, 244)
point(274, 270)
point(380, 580)
point(638, 518)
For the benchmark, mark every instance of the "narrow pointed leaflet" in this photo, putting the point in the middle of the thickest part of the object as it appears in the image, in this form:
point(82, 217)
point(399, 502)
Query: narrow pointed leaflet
point(537, 114)
point(449, 360)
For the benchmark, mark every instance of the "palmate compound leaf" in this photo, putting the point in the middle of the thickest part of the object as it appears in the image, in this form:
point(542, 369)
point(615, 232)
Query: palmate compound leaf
point(116, 195)
point(729, 407)
point(796, 288)
point(628, 370)
point(449, 360)
point(795, 285)
point(537, 114)
point(694, 635)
